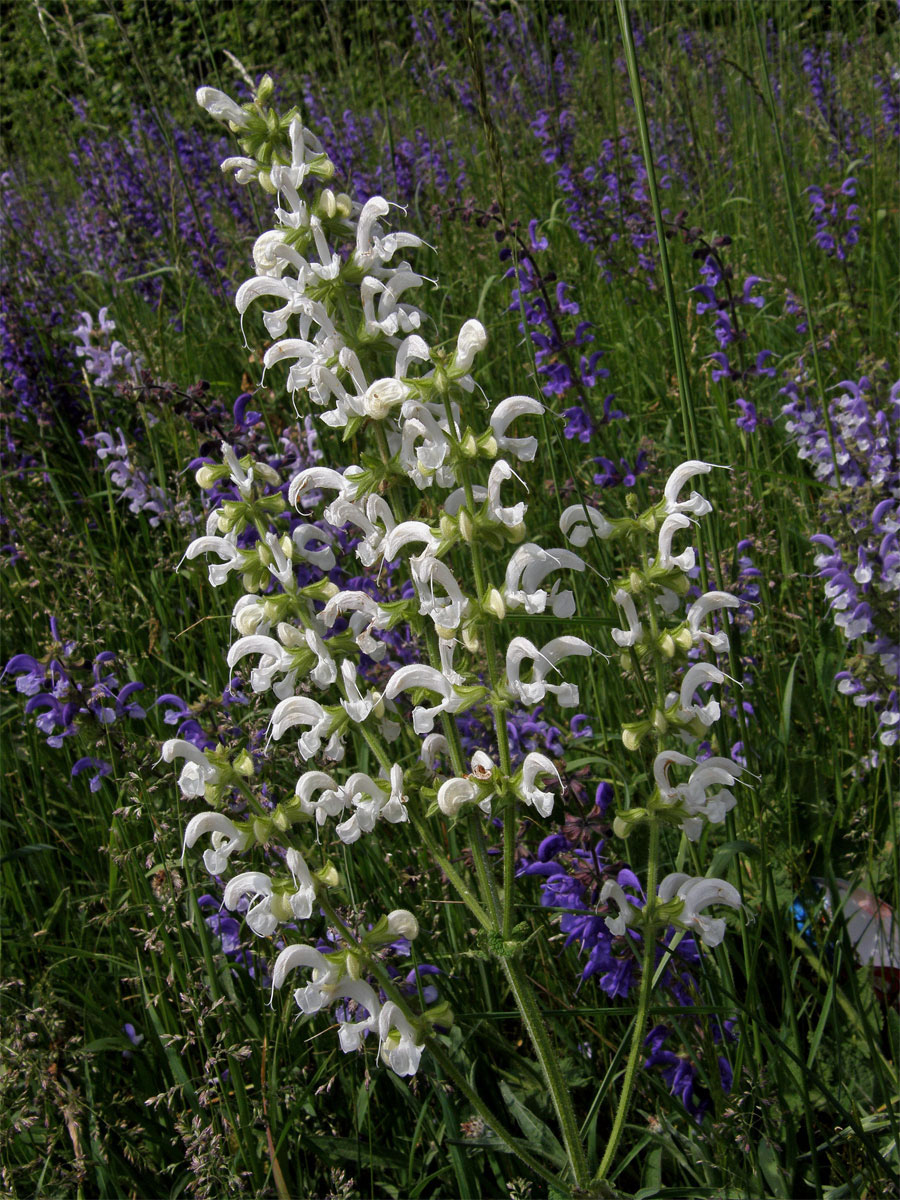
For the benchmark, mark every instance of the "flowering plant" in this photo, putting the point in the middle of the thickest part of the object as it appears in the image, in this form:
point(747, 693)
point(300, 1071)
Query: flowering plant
point(431, 503)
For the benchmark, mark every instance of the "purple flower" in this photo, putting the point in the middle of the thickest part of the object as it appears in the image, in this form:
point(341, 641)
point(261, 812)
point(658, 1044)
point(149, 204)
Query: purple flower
point(97, 765)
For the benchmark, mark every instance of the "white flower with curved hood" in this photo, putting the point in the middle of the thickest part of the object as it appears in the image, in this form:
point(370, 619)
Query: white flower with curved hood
point(220, 106)
point(399, 1048)
point(698, 893)
point(472, 338)
point(513, 516)
point(665, 560)
point(635, 629)
point(198, 771)
point(233, 558)
point(529, 565)
point(301, 710)
point(274, 659)
point(227, 839)
point(417, 675)
point(326, 977)
point(536, 764)
point(579, 523)
point(351, 1033)
point(700, 609)
point(259, 913)
point(503, 416)
point(694, 677)
point(695, 504)
point(447, 610)
point(532, 691)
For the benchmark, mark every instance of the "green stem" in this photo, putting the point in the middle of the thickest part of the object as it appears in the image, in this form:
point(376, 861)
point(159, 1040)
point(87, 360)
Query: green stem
point(462, 1085)
point(640, 1017)
point(483, 869)
point(437, 1050)
point(462, 888)
point(550, 1065)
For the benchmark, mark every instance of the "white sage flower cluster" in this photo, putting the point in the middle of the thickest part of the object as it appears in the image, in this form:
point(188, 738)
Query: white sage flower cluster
point(432, 499)
point(435, 499)
point(657, 638)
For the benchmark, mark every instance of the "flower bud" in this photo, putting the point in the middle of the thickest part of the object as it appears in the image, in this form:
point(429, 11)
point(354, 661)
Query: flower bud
point(329, 876)
point(466, 525)
point(207, 475)
point(243, 764)
point(265, 90)
point(402, 923)
point(630, 739)
point(683, 638)
point(494, 603)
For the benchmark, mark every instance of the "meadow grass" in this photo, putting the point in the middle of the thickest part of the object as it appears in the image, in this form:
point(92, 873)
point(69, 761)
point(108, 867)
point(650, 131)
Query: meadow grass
point(141, 1055)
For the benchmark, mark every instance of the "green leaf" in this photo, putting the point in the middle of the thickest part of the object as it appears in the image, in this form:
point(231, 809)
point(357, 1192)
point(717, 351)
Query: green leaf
point(536, 1132)
point(787, 700)
point(726, 853)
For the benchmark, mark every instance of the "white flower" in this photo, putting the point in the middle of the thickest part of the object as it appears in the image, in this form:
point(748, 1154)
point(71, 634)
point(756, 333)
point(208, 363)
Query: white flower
point(303, 899)
point(691, 796)
point(579, 523)
point(526, 571)
point(445, 611)
point(371, 248)
point(531, 692)
point(417, 675)
point(356, 706)
point(665, 561)
point(269, 256)
point(698, 612)
point(399, 1048)
point(326, 976)
point(249, 616)
point(454, 793)
point(402, 923)
point(403, 534)
point(628, 909)
point(275, 660)
point(696, 675)
point(433, 745)
point(695, 503)
point(330, 804)
point(306, 533)
point(383, 396)
point(319, 477)
point(534, 765)
point(368, 800)
point(233, 558)
point(510, 517)
point(393, 317)
point(198, 771)
point(472, 338)
point(635, 629)
point(455, 501)
point(220, 106)
point(227, 839)
point(259, 913)
point(424, 463)
point(698, 893)
point(351, 1033)
point(503, 416)
point(301, 710)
